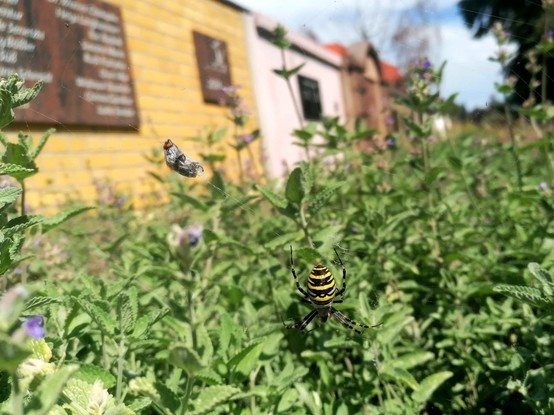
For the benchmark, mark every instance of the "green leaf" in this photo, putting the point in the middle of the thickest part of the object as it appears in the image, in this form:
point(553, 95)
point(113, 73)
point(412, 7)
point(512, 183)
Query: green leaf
point(43, 140)
point(90, 373)
point(414, 127)
point(308, 254)
point(8, 196)
point(23, 96)
point(16, 153)
point(322, 197)
point(49, 390)
point(218, 186)
point(6, 108)
point(393, 326)
point(399, 375)
point(409, 360)
point(455, 163)
point(127, 309)
point(294, 191)
point(307, 177)
point(20, 223)
point(209, 376)
point(15, 170)
point(247, 359)
point(212, 396)
point(167, 398)
point(11, 354)
point(181, 355)
point(542, 275)
point(326, 238)
point(284, 240)
point(432, 175)
point(233, 203)
point(530, 295)
point(63, 216)
point(428, 385)
point(276, 200)
point(287, 401)
point(225, 333)
point(103, 319)
point(205, 345)
point(191, 201)
point(287, 73)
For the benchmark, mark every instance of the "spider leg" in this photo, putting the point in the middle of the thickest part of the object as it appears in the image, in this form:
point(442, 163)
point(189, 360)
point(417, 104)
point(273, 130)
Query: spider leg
point(302, 324)
point(349, 323)
point(302, 291)
point(343, 288)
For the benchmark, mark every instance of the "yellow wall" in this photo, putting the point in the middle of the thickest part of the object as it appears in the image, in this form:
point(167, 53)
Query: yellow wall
point(169, 102)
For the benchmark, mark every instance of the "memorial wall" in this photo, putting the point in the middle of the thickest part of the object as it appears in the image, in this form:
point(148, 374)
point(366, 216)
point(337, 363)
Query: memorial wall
point(78, 49)
point(120, 77)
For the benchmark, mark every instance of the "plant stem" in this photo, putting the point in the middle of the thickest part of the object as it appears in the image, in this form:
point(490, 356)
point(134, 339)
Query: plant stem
point(188, 390)
point(291, 92)
point(304, 225)
point(120, 362)
point(241, 173)
point(239, 160)
point(254, 164)
point(17, 395)
point(544, 74)
point(253, 375)
point(22, 183)
point(513, 147)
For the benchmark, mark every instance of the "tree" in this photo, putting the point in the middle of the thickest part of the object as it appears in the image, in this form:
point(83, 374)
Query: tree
point(528, 22)
point(408, 33)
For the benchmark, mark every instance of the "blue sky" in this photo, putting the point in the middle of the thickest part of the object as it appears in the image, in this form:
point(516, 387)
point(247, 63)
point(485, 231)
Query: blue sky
point(468, 71)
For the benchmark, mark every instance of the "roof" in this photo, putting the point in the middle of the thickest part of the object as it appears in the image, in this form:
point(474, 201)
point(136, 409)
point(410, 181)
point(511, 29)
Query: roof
point(300, 41)
point(391, 74)
point(234, 6)
point(337, 48)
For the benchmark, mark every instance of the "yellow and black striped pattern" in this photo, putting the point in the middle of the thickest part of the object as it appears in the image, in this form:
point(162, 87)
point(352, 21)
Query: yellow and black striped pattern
point(322, 293)
point(322, 286)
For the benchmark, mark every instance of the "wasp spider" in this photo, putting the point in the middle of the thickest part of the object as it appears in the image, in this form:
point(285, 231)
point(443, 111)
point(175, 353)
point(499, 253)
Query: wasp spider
point(322, 293)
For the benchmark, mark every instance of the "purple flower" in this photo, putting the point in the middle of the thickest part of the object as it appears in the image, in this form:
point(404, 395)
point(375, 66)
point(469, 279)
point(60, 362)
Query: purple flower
point(390, 142)
point(550, 35)
point(507, 34)
point(425, 64)
point(245, 138)
point(389, 120)
point(354, 229)
point(120, 201)
point(543, 186)
point(194, 234)
point(230, 89)
point(34, 326)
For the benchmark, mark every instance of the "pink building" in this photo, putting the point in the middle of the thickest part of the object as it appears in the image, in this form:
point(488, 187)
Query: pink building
point(317, 89)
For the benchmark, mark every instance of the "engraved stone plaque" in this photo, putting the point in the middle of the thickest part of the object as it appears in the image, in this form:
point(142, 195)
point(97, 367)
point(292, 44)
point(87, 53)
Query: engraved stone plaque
point(213, 66)
point(77, 47)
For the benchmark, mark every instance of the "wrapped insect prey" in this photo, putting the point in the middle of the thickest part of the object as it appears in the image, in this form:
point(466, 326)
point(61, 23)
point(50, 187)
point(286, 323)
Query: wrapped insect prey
point(177, 161)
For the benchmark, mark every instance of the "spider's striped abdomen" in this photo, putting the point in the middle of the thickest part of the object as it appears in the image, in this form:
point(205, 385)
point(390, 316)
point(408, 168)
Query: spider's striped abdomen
point(321, 286)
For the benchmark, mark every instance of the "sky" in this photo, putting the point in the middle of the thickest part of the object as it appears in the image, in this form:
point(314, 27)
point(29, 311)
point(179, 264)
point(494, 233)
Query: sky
point(468, 70)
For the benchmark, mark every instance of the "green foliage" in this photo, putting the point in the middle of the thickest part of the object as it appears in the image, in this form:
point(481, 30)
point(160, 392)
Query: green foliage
point(12, 95)
point(36, 385)
point(180, 309)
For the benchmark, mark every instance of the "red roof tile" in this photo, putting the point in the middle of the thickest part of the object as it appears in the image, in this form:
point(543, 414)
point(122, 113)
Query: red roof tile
point(390, 73)
point(337, 48)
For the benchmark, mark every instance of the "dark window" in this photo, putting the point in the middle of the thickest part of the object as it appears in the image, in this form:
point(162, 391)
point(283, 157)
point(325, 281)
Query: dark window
point(309, 95)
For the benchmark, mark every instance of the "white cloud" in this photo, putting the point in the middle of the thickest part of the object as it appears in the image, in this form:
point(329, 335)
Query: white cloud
point(468, 69)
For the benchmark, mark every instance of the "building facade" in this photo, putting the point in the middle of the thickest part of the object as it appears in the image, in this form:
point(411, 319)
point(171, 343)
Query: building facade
point(154, 71)
point(317, 90)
